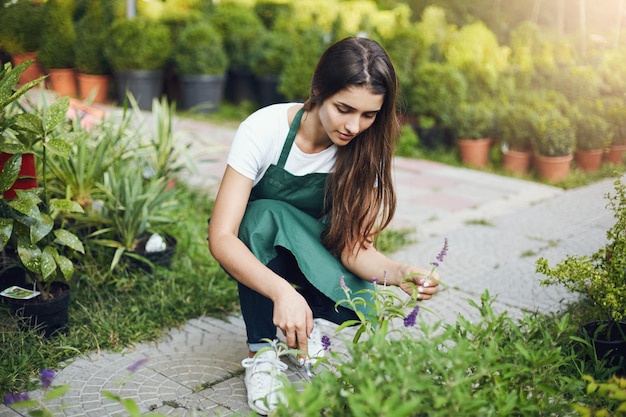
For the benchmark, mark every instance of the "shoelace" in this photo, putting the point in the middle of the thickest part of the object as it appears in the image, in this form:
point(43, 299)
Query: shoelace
point(256, 361)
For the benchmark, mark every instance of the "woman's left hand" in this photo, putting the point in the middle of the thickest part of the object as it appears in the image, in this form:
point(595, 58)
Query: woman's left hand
point(424, 281)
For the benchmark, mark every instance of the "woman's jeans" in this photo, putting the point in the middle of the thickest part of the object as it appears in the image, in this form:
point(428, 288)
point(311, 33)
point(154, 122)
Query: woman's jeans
point(258, 310)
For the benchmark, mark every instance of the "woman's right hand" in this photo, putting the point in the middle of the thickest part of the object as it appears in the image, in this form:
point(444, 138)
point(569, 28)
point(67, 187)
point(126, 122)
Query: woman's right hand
point(293, 316)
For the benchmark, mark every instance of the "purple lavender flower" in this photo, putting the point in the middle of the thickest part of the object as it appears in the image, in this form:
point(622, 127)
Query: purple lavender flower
point(47, 375)
point(326, 342)
point(444, 250)
point(409, 321)
point(14, 398)
point(375, 281)
point(135, 366)
point(342, 283)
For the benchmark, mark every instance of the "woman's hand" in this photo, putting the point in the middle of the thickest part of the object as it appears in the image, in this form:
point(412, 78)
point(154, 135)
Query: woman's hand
point(425, 281)
point(293, 316)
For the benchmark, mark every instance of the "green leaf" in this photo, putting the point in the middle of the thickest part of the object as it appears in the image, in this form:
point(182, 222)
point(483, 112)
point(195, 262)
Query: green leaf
point(41, 228)
point(65, 265)
point(10, 172)
point(48, 264)
point(26, 203)
point(65, 205)
point(56, 392)
point(69, 239)
point(55, 114)
point(29, 122)
point(30, 255)
point(59, 147)
point(6, 229)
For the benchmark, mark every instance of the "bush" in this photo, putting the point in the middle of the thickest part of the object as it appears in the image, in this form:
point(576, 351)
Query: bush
point(435, 91)
point(272, 53)
point(90, 40)
point(473, 120)
point(240, 28)
point(20, 27)
point(554, 134)
point(200, 50)
point(58, 36)
point(516, 126)
point(138, 44)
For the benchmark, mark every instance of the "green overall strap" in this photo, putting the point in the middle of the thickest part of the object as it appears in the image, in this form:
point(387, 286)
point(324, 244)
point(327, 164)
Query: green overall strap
point(291, 136)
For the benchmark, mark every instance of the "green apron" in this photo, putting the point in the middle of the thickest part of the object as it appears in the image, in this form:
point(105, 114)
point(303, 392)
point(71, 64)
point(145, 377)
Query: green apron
point(286, 210)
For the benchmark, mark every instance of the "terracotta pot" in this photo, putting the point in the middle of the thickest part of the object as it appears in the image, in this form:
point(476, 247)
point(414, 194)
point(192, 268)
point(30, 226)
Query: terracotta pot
point(553, 168)
point(517, 162)
point(615, 155)
point(474, 152)
point(31, 73)
point(96, 85)
point(27, 177)
point(63, 81)
point(589, 160)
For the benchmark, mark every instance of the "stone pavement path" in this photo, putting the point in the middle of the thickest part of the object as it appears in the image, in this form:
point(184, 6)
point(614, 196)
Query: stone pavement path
point(496, 227)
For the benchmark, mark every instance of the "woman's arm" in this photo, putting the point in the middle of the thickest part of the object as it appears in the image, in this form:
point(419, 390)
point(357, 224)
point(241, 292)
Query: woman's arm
point(291, 311)
point(369, 263)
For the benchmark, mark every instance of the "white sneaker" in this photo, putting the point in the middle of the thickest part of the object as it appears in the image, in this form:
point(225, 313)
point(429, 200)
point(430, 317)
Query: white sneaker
point(263, 381)
point(315, 349)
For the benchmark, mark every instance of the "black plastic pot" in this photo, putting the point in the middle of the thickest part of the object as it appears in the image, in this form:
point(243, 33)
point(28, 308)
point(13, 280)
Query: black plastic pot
point(49, 317)
point(268, 90)
point(609, 341)
point(202, 93)
point(143, 85)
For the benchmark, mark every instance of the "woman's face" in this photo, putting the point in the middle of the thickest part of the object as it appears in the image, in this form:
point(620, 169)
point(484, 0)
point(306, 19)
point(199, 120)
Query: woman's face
point(348, 113)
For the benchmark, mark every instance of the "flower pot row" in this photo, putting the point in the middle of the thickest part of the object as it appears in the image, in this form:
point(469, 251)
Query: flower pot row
point(475, 153)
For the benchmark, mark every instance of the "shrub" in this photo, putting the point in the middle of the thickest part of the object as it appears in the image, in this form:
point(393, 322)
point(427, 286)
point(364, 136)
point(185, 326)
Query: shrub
point(516, 126)
point(90, 40)
point(272, 53)
point(473, 120)
point(137, 44)
point(58, 36)
point(554, 134)
point(435, 91)
point(20, 26)
point(200, 50)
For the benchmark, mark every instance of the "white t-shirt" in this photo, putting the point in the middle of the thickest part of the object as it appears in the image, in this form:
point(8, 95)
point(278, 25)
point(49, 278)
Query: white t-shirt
point(259, 141)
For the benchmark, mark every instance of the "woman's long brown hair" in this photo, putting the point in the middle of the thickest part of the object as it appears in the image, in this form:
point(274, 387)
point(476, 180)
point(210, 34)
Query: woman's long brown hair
point(360, 195)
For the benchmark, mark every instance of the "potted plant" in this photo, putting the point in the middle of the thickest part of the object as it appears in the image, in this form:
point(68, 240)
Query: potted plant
point(240, 28)
point(267, 62)
point(201, 62)
point(138, 50)
point(91, 65)
point(593, 136)
point(56, 52)
point(554, 141)
point(516, 127)
point(134, 214)
point(32, 233)
point(615, 115)
point(20, 35)
point(601, 277)
point(473, 124)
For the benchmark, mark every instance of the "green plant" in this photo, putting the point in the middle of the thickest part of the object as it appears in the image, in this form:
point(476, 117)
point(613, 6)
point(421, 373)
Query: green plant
point(134, 207)
point(407, 142)
point(240, 28)
point(271, 54)
point(516, 126)
point(435, 91)
point(602, 276)
point(615, 115)
point(554, 134)
point(491, 365)
point(20, 26)
point(165, 155)
point(199, 49)
point(137, 44)
point(592, 131)
point(31, 225)
point(609, 398)
point(473, 120)
point(58, 35)
point(296, 76)
point(91, 37)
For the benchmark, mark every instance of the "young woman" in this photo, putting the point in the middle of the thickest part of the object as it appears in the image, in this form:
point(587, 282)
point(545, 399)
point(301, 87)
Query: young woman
point(306, 190)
